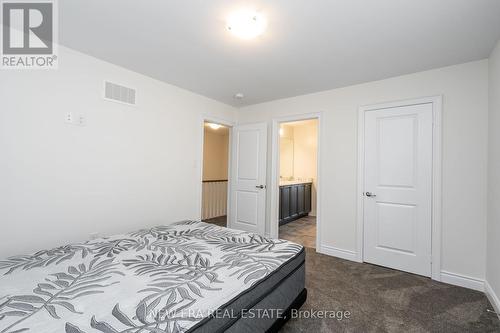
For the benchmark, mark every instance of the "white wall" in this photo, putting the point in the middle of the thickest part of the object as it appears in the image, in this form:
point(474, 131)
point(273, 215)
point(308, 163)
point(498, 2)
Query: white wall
point(493, 251)
point(465, 123)
point(130, 167)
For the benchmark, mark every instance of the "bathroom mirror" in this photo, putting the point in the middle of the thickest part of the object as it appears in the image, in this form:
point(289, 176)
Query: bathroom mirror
point(286, 158)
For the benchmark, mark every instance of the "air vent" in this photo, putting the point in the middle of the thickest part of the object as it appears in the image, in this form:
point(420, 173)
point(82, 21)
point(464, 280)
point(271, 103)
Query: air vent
point(117, 93)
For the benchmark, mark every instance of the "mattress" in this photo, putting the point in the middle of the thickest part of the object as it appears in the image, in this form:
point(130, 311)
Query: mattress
point(185, 277)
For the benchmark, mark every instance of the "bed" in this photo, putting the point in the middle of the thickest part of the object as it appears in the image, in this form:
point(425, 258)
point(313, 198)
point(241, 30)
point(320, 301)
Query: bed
point(185, 277)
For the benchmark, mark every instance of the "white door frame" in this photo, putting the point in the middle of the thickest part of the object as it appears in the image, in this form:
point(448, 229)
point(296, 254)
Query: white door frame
point(211, 119)
point(275, 174)
point(436, 102)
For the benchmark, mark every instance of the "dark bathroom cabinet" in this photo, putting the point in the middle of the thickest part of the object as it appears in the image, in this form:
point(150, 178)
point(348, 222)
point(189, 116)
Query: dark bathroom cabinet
point(295, 202)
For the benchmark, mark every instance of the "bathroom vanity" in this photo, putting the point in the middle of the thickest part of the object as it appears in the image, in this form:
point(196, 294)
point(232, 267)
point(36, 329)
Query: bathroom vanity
point(295, 200)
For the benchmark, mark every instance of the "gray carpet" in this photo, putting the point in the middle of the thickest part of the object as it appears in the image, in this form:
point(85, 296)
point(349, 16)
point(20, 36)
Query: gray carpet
point(380, 299)
point(384, 300)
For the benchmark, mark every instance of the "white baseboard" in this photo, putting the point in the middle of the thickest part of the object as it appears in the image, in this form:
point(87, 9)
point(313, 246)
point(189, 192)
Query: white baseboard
point(339, 253)
point(462, 280)
point(494, 299)
point(446, 277)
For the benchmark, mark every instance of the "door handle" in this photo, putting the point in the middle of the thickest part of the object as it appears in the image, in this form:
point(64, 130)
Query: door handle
point(261, 186)
point(370, 194)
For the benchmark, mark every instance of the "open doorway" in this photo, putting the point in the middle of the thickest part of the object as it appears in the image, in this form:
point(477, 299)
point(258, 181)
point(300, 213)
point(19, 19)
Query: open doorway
point(214, 196)
point(298, 181)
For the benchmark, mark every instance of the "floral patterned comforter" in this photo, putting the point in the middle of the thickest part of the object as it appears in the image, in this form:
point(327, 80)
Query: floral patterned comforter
point(163, 279)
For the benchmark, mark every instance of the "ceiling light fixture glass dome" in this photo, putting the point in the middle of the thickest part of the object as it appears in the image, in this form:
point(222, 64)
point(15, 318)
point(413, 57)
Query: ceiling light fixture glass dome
point(246, 24)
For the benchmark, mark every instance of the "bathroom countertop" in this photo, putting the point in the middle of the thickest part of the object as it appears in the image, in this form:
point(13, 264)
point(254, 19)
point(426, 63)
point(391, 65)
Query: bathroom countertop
point(294, 182)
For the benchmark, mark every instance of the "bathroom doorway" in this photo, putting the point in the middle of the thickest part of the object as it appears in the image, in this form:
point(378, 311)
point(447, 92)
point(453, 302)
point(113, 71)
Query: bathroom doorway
point(298, 181)
point(215, 170)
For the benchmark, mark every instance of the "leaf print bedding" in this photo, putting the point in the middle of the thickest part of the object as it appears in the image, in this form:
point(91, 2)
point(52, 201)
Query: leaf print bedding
point(164, 279)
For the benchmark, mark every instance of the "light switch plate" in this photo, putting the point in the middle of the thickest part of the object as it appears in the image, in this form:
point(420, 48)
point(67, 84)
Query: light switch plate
point(81, 120)
point(77, 119)
point(68, 118)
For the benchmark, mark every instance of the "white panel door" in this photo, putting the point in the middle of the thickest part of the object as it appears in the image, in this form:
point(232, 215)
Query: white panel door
point(398, 188)
point(248, 178)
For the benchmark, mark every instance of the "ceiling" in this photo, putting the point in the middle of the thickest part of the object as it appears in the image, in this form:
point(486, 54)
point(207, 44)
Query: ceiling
point(309, 46)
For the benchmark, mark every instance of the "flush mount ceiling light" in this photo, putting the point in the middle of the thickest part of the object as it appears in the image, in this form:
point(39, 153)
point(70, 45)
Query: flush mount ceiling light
point(246, 24)
point(239, 96)
point(214, 126)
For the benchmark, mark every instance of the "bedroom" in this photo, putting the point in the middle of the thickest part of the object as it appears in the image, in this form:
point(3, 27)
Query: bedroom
point(101, 158)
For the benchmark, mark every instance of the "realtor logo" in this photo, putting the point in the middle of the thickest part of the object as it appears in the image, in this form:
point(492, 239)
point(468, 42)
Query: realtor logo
point(28, 35)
